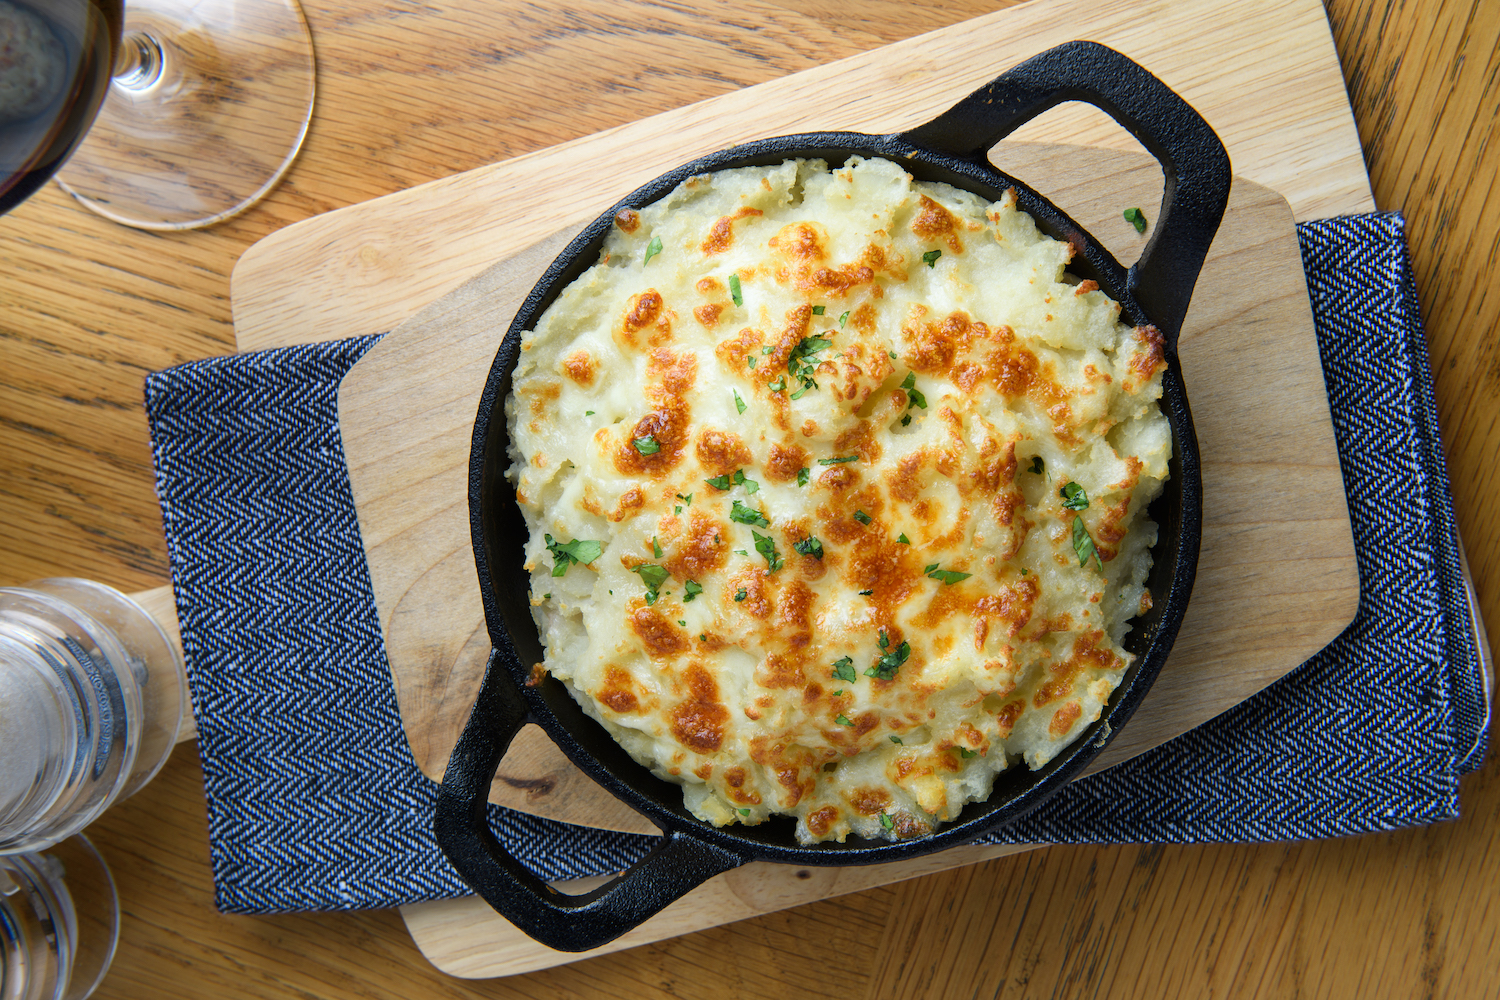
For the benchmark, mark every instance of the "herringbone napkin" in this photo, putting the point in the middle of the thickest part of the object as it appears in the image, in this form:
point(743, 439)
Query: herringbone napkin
point(316, 803)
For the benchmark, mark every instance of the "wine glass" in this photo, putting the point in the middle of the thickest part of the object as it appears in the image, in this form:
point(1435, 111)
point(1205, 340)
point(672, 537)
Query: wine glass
point(197, 107)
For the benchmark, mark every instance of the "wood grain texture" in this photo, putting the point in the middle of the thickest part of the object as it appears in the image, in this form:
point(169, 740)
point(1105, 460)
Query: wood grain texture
point(411, 92)
point(1250, 360)
point(1231, 61)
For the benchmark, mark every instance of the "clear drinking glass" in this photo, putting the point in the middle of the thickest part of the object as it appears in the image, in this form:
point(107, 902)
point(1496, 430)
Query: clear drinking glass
point(91, 698)
point(59, 922)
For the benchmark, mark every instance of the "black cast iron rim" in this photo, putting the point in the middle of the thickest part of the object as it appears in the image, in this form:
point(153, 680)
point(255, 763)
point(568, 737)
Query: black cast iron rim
point(953, 149)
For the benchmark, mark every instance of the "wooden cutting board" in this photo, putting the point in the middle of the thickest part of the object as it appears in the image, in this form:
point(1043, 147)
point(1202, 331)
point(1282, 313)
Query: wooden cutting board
point(1266, 77)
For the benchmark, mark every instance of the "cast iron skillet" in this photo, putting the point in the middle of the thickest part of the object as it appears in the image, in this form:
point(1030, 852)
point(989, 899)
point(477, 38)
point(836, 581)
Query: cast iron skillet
point(952, 148)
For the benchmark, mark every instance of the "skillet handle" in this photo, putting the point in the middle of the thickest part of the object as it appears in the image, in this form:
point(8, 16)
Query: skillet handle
point(1192, 157)
point(678, 863)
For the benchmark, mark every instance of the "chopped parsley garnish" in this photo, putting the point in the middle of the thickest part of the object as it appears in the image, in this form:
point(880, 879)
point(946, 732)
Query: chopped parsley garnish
point(766, 546)
point(885, 818)
point(739, 404)
point(843, 319)
point(1083, 544)
point(734, 290)
point(1074, 497)
point(892, 354)
point(719, 482)
point(947, 576)
point(682, 622)
point(646, 445)
point(915, 396)
point(565, 554)
point(588, 413)
point(655, 547)
point(1024, 571)
point(903, 539)
point(839, 693)
point(686, 498)
point(802, 475)
point(906, 420)
point(930, 258)
point(801, 363)
point(750, 360)
point(747, 515)
point(867, 593)
point(743, 812)
point(862, 517)
point(819, 310)
point(886, 667)
point(777, 386)
point(741, 594)
point(1135, 217)
point(690, 590)
point(841, 720)
point(652, 249)
point(653, 577)
point(677, 508)
point(751, 486)
point(767, 349)
point(1038, 466)
point(546, 597)
point(895, 739)
point(741, 552)
point(843, 669)
point(809, 546)
point(966, 753)
point(838, 460)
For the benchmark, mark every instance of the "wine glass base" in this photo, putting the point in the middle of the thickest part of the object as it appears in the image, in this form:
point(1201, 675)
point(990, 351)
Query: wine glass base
point(207, 116)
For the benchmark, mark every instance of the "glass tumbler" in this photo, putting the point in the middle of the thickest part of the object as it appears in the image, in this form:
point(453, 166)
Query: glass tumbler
point(91, 698)
point(59, 922)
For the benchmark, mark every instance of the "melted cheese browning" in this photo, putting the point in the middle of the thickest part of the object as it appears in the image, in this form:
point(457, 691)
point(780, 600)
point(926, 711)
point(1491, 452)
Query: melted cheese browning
point(802, 412)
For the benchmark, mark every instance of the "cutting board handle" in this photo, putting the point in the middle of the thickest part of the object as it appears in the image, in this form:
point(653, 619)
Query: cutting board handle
point(1194, 162)
point(678, 863)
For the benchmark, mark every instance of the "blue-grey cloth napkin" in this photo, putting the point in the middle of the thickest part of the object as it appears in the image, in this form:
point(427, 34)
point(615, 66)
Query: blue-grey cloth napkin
point(314, 799)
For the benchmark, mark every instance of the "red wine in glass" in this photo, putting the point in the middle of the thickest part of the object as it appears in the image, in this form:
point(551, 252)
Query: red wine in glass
point(56, 58)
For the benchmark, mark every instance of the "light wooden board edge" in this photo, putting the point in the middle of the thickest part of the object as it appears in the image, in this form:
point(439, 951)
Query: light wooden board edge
point(406, 411)
point(1232, 60)
point(465, 938)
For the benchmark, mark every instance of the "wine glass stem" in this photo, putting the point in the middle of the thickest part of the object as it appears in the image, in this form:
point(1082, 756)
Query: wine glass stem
point(139, 64)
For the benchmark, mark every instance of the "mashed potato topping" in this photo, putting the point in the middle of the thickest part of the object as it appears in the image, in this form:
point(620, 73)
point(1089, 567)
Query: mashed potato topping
point(836, 484)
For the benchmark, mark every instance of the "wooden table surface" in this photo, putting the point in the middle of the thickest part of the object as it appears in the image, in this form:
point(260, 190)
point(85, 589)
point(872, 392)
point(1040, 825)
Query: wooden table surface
point(87, 308)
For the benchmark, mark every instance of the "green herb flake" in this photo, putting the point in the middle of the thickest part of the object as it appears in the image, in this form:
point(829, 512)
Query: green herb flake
point(839, 460)
point(734, 290)
point(719, 482)
point(1074, 497)
point(739, 404)
point(690, 590)
point(841, 720)
point(703, 637)
point(915, 397)
point(565, 554)
point(843, 319)
point(767, 350)
point(966, 753)
point(1083, 544)
point(843, 669)
point(677, 509)
point(741, 594)
point(839, 693)
point(819, 310)
point(903, 539)
point(646, 445)
point(766, 546)
point(867, 593)
point(896, 740)
point(747, 515)
point(743, 812)
point(946, 576)
point(802, 475)
point(588, 413)
point(885, 818)
point(886, 667)
point(906, 420)
point(777, 386)
point(892, 354)
point(930, 258)
point(862, 517)
point(546, 597)
point(809, 546)
point(751, 486)
point(1024, 571)
point(1038, 466)
point(653, 577)
point(750, 360)
point(686, 498)
point(655, 547)
point(652, 249)
point(741, 552)
point(1136, 218)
